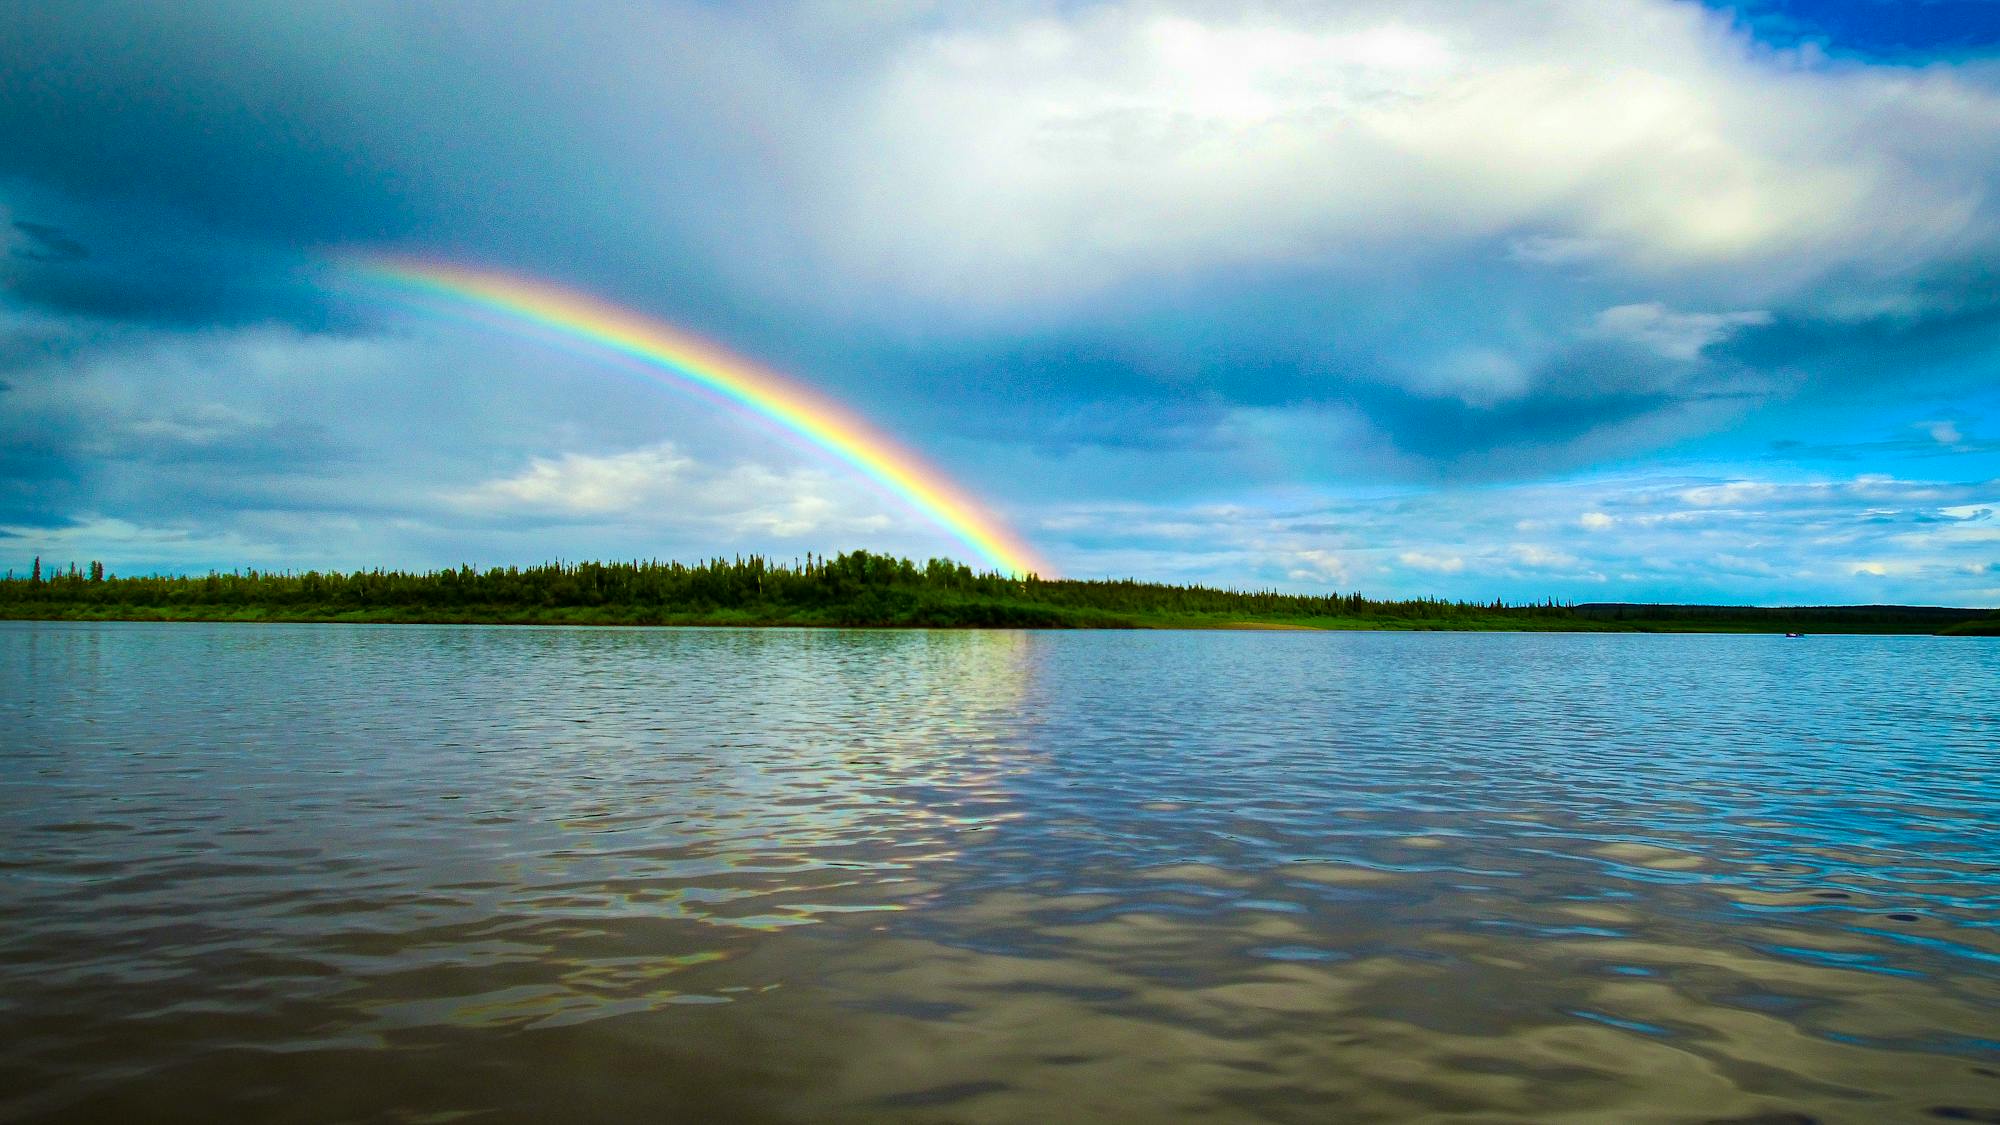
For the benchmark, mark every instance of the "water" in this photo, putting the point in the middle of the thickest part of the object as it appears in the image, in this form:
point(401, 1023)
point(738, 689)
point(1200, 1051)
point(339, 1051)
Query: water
point(323, 873)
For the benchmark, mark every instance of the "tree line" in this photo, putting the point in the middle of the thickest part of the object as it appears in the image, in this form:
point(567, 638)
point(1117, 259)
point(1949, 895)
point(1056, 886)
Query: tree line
point(857, 588)
point(892, 587)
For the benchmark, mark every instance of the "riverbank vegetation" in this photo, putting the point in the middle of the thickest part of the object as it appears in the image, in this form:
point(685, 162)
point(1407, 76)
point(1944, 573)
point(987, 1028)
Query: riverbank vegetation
point(860, 589)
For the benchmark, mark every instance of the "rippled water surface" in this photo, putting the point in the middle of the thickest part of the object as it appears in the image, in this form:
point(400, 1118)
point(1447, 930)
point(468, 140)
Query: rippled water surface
point(322, 873)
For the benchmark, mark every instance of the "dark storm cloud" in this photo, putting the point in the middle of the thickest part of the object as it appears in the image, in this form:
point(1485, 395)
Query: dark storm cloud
point(1155, 390)
point(197, 156)
point(44, 243)
point(204, 108)
point(1447, 430)
point(204, 152)
point(231, 142)
point(1168, 374)
point(176, 278)
point(1058, 395)
point(43, 478)
point(61, 457)
point(1861, 332)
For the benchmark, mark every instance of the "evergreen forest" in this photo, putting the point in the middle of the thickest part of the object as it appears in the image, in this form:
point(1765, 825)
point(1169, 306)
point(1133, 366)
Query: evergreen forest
point(860, 589)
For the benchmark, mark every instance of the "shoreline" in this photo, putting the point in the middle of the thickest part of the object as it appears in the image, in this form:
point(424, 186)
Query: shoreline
point(861, 590)
point(574, 617)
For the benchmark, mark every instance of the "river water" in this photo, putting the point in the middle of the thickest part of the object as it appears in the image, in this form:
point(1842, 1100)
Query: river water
point(414, 873)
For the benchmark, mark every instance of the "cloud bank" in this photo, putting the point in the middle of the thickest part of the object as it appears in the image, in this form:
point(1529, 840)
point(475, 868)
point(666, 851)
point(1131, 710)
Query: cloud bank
point(1132, 257)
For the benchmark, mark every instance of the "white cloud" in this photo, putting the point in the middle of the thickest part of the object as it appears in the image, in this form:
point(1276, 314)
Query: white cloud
point(576, 484)
point(1436, 564)
point(1476, 376)
point(1547, 250)
point(201, 424)
point(1733, 493)
point(1767, 541)
point(660, 485)
point(1945, 433)
point(1542, 557)
point(1319, 567)
point(1595, 521)
point(1675, 335)
point(1029, 152)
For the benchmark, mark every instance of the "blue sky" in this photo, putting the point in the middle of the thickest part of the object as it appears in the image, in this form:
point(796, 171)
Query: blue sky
point(1592, 299)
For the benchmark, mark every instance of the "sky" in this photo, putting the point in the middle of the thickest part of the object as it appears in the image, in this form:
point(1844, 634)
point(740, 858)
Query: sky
point(1598, 300)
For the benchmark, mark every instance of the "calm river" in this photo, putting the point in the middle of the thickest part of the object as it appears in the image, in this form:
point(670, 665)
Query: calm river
point(427, 874)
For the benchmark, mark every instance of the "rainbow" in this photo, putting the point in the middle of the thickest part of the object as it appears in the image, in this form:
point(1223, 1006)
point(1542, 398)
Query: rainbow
point(674, 356)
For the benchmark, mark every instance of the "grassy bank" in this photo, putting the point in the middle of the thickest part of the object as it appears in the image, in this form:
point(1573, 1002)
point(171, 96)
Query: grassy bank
point(864, 590)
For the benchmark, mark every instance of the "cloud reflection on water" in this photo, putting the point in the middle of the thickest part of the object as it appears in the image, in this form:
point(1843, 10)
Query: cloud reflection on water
point(795, 875)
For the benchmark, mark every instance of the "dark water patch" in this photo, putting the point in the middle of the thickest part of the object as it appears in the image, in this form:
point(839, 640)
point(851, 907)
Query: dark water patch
point(939, 1095)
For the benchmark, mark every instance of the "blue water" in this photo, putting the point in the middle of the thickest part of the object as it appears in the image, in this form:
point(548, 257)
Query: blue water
point(431, 873)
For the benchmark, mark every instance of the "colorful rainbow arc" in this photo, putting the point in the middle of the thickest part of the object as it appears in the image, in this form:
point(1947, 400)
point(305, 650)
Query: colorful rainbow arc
point(670, 352)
